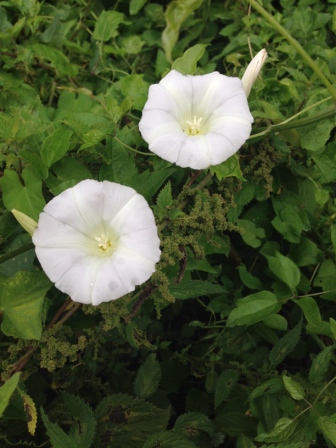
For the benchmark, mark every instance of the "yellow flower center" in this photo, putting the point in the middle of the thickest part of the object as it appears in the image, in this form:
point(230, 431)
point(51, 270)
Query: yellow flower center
point(194, 126)
point(104, 243)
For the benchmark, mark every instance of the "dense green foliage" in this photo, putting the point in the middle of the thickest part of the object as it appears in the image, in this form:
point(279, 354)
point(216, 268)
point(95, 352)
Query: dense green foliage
point(231, 342)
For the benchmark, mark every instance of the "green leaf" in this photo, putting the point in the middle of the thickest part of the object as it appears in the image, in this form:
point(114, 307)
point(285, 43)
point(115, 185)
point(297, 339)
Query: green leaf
point(58, 438)
point(333, 326)
point(176, 13)
point(148, 377)
point(253, 308)
point(321, 196)
point(283, 268)
point(225, 384)
point(167, 439)
point(148, 183)
point(249, 280)
point(271, 386)
point(315, 136)
point(328, 427)
point(136, 5)
point(35, 161)
point(22, 302)
point(187, 64)
point(229, 168)
point(135, 88)
point(107, 25)
point(294, 388)
point(251, 234)
point(30, 411)
point(289, 224)
point(165, 198)
point(191, 423)
point(7, 390)
point(310, 310)
point(26, 198)
point(276, 321)
point(283, 429)
point(194, 288)
point(285, 345)
point(81, 411)
point(58, 60)
point(56, 145)
point(320, 366)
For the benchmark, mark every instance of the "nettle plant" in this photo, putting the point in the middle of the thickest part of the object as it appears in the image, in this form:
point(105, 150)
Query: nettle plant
point(167, 269)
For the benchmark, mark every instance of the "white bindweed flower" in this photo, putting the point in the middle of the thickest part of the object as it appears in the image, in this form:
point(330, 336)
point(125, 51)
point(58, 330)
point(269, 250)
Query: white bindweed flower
point(253, 69)
point(97, 241)
point(196, 121)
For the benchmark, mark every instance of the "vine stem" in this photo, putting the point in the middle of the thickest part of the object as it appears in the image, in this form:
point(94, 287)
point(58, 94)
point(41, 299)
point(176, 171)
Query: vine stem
point(305, 56)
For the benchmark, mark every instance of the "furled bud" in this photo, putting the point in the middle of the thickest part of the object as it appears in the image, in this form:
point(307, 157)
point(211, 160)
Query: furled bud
point(25, 221)
point(253, 69)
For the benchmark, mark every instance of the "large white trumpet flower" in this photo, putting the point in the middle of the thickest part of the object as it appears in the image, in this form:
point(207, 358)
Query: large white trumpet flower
point(97, 241)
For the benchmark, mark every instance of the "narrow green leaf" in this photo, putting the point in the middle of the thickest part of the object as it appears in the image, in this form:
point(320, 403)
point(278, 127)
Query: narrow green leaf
point(58, 438)
point(194, 288)
point(254, 308)
point(294, 388)
point(56, 145)
point(320, 366)
point(225, 385)
point(285, 345)
point(271, 386)
point(7, 390)
point(148, 377)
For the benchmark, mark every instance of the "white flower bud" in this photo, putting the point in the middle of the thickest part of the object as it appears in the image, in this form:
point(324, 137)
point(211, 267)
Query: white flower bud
point(253, 69)
point(25, 221)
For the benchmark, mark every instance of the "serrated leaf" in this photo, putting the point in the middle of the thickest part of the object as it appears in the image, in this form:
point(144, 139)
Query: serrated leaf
point(22, 302)
point(165, 198)
point(293, 387)
point(30, 410)
point(107, 25)
point(283, 429)
point(26, 198)
point(81, 411)
point(187, 64)
point(168, 439)
point(225, 385)
point(229, 168)
point(271, 386)
point(194, 288)
point(57, 59)
point(320, 365)
point(56, 145)
point(148, 377)
point(253, 308)
point(58, 438)
point(7, 390)
point(285, 345)
point(328, 427)
point(192, 422)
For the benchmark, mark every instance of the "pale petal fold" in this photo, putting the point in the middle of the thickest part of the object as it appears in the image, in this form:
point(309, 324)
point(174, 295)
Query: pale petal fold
point(196, 121)
point(71, 235)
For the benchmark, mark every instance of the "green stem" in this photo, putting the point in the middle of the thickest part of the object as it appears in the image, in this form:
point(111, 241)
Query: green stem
point(132, 149)
point(305, 56)
point(16, 252)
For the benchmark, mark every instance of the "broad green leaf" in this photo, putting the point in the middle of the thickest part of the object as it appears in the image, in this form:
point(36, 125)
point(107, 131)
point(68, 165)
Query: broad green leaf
point(135, 88)
point(285, 345)
point(294, 388)
point(187, 64)
point(315, 136)
point(283, 268)
point(321, 196)
point(289, 224)
point(192, 422)
point(83, 413)
point(194, 288)
point(251, 234)
point(148, 183)
point(253, 308)
point(271, 386)
point(36, 162)
point(26, 198)
point(165, 198)
point(176, 13)
point(7, 390)
point(58, 438)
point(236, 422)
point(107, 25)
point(56, 145)
point(225, 385)
point(22, 302)
point(58, 60)
point(249, 280)
point(310, 310)
point(276, 321)
point(136, 5)
point(148, 377)
point(283, 429)
point(320, 366)
point(229, 168)
point(328, 427)
point(167, 439)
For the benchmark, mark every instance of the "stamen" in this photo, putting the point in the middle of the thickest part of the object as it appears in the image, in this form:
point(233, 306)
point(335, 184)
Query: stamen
point(103, 242)
point(194, 126)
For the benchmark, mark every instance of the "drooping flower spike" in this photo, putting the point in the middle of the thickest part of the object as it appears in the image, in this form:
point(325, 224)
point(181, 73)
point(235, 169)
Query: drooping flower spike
point(196, 121)
point(97, 241)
